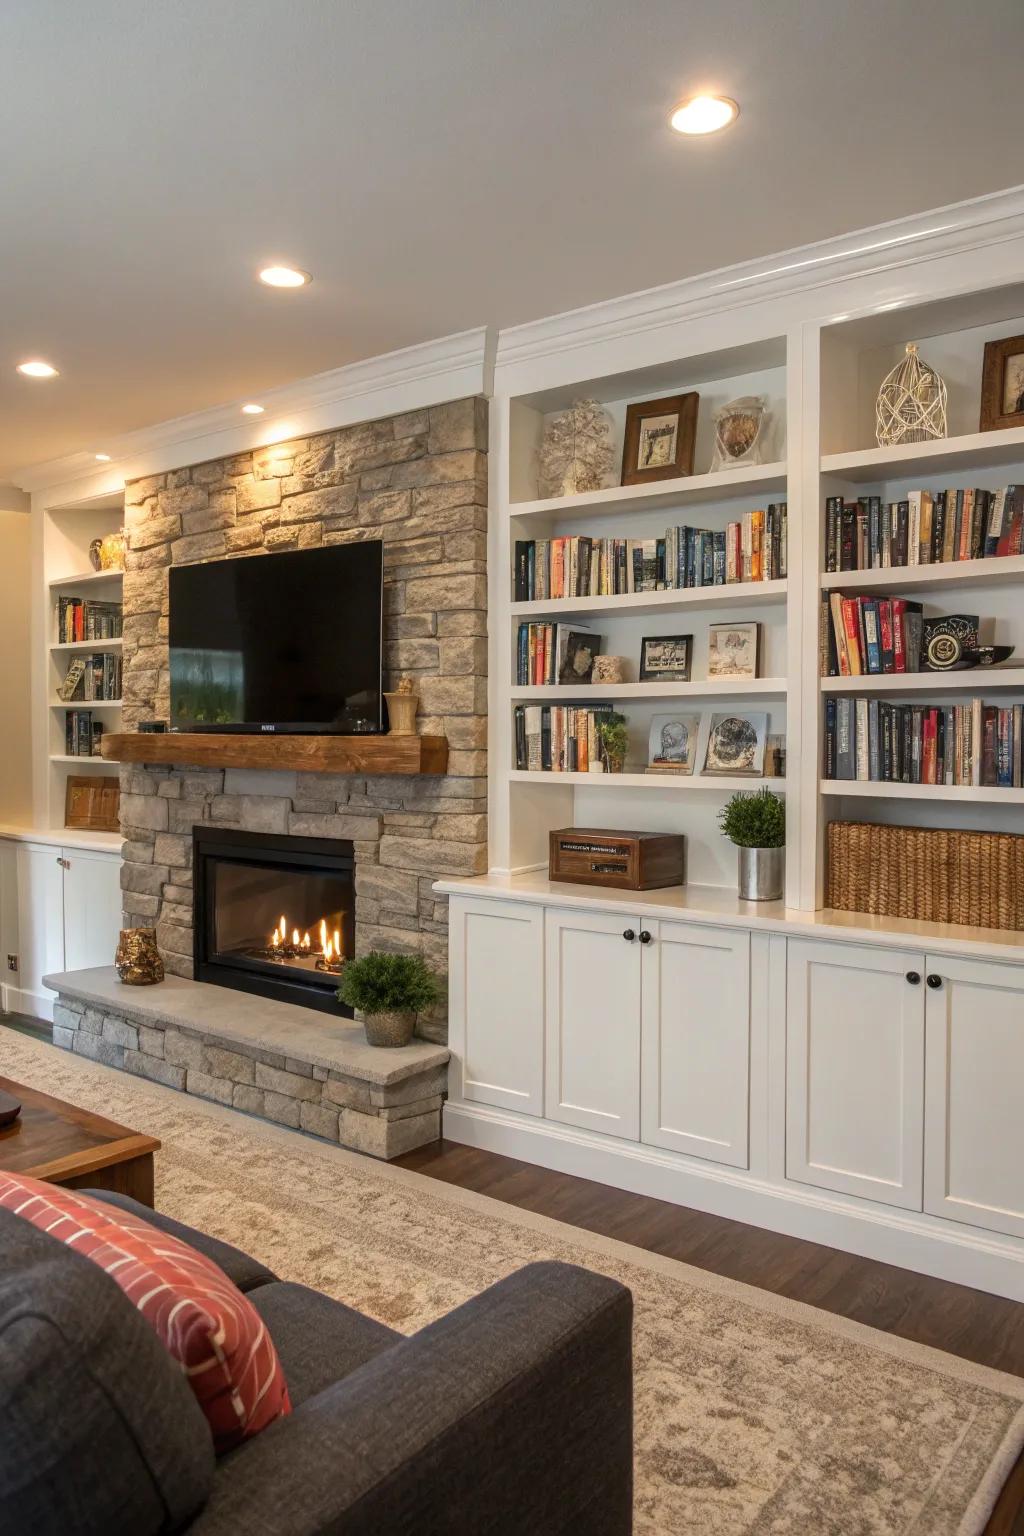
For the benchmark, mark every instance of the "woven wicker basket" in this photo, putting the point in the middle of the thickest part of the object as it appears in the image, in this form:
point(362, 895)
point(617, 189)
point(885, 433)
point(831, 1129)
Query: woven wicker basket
point(928, 873)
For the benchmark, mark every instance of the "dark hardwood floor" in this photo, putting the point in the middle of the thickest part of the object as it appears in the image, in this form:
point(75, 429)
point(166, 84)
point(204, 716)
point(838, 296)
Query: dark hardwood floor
point(972, 1324)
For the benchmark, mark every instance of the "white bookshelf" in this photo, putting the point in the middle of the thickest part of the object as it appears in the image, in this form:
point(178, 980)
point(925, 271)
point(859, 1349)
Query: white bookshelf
point(674, 783)
point(710, 688)
point(740, 594)
point(944, 577)
point(978, 680)
point(763, 480)
point(970, 794)
point(84, 647)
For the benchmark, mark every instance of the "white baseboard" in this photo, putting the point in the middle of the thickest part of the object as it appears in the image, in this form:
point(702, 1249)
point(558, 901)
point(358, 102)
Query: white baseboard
point(929, 1245)
point(35, 1005)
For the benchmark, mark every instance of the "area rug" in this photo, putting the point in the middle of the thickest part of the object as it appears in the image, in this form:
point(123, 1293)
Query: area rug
point(754, 1415)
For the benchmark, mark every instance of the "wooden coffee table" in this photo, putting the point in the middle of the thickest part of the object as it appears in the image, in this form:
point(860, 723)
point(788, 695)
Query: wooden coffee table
point(56, 1141)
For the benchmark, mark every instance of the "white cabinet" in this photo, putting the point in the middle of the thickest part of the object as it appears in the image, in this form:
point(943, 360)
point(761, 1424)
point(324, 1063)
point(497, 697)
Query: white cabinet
point(696, 1042)
point(592, 1020)
point(974, 1119)
point(855, 1070)
point(496, 1002)
point(67, 914)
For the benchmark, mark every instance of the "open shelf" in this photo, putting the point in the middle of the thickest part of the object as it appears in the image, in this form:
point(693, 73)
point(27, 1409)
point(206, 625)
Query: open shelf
point(69, 647)
point(95, 762)
point(739, 594)
point(977, 680)
point(969, 793)
point(86, 579)
point(724, 784)
point(975, 450)
point(685, 490)
point(304, 754)
point(710, 688)
point(996, 571)
point(86, 703)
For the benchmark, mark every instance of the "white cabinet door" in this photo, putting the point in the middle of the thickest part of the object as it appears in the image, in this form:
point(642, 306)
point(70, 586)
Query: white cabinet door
point(496, 1002)
point(974, 1117)
point(593, 1021)
point(855, 1070)
point(92, 908)
point(696, 1042)
point(40, 925)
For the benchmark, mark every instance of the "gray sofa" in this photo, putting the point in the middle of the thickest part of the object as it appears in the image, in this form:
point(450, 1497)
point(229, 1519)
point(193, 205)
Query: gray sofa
point(512, 1414)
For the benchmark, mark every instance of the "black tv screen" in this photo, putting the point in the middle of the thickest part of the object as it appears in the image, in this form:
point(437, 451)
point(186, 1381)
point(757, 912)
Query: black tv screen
point(285, 642)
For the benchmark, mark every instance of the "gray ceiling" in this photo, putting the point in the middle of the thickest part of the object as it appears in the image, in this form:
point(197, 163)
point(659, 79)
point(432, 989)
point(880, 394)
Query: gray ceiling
point(436, 164)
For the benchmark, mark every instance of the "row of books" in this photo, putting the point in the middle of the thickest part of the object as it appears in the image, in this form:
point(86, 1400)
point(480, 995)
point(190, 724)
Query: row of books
point(925, 529)
point(80, 618)
point(556, 738)
point(555, 653)
point(82, 733)
point(873, 741)
point(858, 635)
point(753, 549)
point(92, 677)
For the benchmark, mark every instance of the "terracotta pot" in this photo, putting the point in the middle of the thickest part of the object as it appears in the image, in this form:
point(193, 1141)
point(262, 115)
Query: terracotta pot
point(137, 959)
point(389, 1029)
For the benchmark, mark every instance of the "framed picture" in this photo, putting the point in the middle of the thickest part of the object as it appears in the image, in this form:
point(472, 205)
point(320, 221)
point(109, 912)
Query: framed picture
point(665, 658)
point(1002, 384)
point(659, 439)
point(736, 745)
point(733, 650)
point(672, 745)
point(578, 649)
point(92, 802)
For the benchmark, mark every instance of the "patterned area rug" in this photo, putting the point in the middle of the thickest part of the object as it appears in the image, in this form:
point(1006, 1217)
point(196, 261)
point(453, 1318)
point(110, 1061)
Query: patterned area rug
point(754, 1415)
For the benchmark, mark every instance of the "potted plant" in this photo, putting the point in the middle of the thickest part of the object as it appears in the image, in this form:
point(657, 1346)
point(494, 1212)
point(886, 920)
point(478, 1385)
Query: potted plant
point(611, 729)
point(389, 990)
point(756, 823)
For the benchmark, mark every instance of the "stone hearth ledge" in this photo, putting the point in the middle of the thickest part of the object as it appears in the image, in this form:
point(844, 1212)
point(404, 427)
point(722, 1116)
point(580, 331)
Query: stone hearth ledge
point(299, 1068)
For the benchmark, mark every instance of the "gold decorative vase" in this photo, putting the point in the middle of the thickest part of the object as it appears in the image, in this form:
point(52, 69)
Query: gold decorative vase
point(112, 550)
point(137, 959)
point(402, 707)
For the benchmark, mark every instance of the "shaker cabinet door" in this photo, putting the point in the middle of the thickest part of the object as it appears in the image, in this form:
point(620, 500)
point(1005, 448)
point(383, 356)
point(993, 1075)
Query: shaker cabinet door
point(496, 1002)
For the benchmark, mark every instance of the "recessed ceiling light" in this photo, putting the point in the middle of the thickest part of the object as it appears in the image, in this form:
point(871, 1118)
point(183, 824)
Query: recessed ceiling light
point(253, 410)
point(284, 277)
point(704, 114)
point(35, 368)
point(103, 458)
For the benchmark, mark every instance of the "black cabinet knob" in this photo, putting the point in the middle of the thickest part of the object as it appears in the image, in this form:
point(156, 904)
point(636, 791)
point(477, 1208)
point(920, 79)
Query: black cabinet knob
point(934, 981)
point(914, 977)
point(628, 935)
point(645, 937)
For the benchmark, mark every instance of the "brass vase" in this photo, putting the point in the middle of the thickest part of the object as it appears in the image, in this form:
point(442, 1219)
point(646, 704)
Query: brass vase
point(137, 959)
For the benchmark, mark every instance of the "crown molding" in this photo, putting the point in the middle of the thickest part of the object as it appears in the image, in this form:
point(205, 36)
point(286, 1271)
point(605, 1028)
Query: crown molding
point(981, 221)
point(429, 374)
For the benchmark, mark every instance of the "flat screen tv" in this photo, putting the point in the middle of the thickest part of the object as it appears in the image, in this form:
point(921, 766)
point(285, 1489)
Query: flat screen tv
point(285, 642)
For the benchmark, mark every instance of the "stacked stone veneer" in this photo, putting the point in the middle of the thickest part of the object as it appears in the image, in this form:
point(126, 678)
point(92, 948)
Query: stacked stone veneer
point(383, 1117)
point(419, 482)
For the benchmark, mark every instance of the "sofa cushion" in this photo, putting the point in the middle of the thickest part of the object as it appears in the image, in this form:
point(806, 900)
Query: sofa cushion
point(204, 1321)
point(99, 1432)
point(241, 1270)
point(318, 1340)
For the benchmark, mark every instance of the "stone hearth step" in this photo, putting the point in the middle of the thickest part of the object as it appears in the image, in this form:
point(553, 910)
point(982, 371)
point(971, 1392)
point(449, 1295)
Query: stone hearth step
point(292, 1065)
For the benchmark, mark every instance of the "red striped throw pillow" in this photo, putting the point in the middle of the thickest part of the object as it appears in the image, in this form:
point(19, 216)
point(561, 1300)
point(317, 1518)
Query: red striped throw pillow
point(202, 1319)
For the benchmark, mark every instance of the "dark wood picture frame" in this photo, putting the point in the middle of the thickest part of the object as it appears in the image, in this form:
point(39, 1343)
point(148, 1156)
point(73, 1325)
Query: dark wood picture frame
point(668, 674)
point(92, 802)
point(993, 385)
point(684, 408)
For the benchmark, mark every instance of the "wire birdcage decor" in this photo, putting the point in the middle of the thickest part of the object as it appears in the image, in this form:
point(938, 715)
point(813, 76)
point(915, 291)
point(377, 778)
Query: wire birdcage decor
point(911, 406)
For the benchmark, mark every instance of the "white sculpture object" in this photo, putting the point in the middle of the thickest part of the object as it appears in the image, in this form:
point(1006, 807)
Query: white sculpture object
point(577, 451)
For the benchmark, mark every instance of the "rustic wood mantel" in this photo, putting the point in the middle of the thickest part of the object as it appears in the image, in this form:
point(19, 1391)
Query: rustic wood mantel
point(304, 754)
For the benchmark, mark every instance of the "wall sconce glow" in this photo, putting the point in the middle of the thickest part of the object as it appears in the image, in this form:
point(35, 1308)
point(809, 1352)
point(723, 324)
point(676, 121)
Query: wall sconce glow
point(704, 114)
point(252, 409)
point(35, 368)
point(103, 458)
point(284, 277)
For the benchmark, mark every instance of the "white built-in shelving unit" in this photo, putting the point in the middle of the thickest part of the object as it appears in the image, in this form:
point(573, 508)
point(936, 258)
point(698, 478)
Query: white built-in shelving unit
point(820, 371)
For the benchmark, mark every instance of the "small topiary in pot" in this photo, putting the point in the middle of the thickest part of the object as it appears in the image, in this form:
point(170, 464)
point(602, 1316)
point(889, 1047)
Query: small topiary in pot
point(389, 990)
point(756, 823)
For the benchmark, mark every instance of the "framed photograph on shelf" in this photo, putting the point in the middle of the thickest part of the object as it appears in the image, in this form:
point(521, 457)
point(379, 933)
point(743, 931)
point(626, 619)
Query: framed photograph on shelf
point(1002, 384)
point(659, 439)
point(577, 649)
point(736, 745)
point(733, 650)
point(672, 744)
point(92, 802)
point(665, 658)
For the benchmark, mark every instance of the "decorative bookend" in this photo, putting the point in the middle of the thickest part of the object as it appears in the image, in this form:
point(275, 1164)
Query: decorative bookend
point(402, 707)
point(911, 405)
point(609, 669)
point(137, 959)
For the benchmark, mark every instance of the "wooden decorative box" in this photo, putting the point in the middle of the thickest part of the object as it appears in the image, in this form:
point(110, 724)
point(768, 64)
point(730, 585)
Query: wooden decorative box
point(626, 861)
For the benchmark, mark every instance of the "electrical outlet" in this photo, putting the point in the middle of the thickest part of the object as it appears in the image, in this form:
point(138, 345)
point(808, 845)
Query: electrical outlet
point(12, 962)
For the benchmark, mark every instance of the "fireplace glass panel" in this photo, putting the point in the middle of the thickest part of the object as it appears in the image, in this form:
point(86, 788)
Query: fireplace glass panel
point(281, 919)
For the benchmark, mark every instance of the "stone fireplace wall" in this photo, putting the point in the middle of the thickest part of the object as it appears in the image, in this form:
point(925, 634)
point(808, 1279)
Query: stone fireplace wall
point(419, 482)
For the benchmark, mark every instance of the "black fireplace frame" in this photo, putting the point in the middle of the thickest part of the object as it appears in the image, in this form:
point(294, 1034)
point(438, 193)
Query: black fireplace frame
point(210, 844)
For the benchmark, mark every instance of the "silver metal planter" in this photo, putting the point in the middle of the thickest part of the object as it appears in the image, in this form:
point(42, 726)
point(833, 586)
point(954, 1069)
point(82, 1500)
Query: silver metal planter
point(762, 873)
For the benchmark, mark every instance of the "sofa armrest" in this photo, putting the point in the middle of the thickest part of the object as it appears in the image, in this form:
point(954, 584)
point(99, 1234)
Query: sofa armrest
point(512, 1414)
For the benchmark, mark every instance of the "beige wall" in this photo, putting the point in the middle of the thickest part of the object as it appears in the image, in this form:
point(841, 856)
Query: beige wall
point(15, 722)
